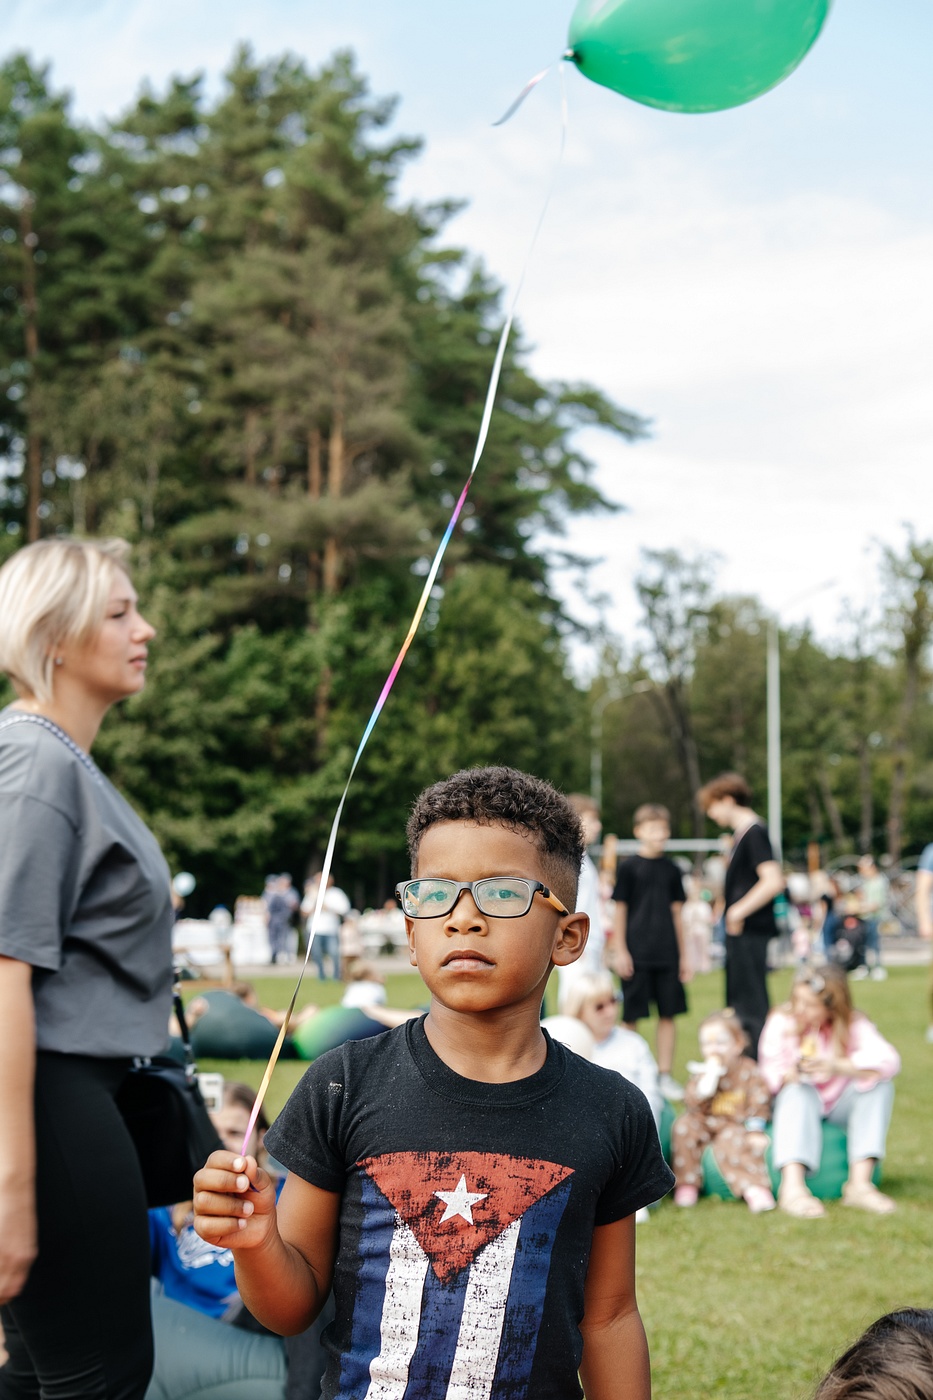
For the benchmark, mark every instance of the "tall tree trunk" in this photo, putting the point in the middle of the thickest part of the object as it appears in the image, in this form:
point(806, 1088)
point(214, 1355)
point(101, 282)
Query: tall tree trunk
point(336, 467)
point(914, 648)
point(314, 491)
point(681, 727)
point(832, 808)
point(31, 337)
point(866, 797)
point(314, 464)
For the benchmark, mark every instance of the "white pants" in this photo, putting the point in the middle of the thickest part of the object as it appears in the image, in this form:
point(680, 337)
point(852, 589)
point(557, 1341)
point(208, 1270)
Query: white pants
point(798, 1123)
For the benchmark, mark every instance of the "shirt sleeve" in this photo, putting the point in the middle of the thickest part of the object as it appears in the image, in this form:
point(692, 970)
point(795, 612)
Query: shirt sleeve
point(678, 894)
point(643, 1176)
point(39, 857)
point(758, 848)
point(868, 1049)
point(623, 886)
point(758, 1095)
point(777, 1050)
point(307, 1135)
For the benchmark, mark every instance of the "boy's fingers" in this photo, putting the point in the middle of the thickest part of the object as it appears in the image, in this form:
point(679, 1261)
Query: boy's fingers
point(212, 1178)
point(215, 1229)
point(218, 1203)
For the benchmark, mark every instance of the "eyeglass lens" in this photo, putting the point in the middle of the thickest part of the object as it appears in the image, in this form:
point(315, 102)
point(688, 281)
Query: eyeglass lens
point(502, 897)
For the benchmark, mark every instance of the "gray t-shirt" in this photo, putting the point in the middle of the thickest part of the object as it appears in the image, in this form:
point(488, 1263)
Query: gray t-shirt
point(84, 897)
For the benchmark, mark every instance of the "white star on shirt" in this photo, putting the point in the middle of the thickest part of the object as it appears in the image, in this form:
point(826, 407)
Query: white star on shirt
point(460, 1201)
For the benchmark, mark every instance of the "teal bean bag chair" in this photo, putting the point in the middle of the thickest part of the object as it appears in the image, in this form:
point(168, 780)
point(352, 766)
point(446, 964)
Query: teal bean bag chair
point(229, 1030)
point(825, 1183)
point(664, 1129)
point(333, 1026)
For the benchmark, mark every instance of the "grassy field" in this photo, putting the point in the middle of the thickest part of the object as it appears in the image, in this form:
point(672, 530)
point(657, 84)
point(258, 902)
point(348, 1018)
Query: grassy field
point(755, 1308)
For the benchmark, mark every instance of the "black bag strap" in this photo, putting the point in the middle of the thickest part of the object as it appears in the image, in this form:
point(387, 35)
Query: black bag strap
point(191, 1068)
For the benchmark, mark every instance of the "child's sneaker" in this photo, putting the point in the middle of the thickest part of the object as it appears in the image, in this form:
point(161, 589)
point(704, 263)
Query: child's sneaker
point(686, 1195)
point(879, 974)
point(759, 1199)
point(671, 1089)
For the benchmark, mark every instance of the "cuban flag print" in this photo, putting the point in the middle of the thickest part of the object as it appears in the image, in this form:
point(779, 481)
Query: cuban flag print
point(455, 1253)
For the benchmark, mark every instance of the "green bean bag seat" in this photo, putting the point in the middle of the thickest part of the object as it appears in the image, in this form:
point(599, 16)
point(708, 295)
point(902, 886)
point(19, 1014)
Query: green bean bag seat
point(664, 1129)
point(333, 1026)
point(229, 1030)
point(826, 1182)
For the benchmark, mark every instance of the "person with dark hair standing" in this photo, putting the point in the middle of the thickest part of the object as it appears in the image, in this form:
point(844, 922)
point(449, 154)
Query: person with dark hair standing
point(85, 981)
point(753, 881)
point(893, 1360)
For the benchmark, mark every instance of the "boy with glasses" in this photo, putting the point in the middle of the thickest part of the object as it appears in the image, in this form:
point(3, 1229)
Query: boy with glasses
point(466, 1184)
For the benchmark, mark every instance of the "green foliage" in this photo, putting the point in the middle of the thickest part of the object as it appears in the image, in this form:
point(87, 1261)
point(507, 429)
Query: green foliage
point(268, 374)
point(856, 720)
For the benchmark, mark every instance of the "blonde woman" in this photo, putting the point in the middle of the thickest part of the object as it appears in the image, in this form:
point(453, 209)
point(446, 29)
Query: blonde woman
point(593, 999)
point(826, 1061)
point(85, 980)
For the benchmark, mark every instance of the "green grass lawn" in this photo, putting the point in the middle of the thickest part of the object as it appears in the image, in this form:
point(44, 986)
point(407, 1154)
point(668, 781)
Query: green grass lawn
point(755, 1308)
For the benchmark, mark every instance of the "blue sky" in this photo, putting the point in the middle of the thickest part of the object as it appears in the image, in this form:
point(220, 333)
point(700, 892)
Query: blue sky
point(759, 282)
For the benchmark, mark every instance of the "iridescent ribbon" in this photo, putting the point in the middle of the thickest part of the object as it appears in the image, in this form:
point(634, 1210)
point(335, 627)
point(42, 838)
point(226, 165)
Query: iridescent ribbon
point(422, 601)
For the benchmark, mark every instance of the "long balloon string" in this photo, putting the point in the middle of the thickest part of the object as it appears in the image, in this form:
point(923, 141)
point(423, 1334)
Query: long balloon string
point(419, 610)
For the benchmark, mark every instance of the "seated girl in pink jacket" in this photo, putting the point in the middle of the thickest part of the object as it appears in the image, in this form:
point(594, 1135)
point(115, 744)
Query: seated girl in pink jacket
point(826, 1061)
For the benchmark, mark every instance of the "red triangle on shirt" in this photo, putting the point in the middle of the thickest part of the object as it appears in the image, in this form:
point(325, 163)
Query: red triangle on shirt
point(481, 1194)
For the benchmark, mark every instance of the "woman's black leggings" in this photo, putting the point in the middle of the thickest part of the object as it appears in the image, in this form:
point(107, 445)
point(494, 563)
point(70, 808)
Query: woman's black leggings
point(81, 1328)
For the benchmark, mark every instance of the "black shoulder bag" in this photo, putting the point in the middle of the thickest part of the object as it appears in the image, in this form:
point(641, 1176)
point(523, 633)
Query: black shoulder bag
point(170, 1126)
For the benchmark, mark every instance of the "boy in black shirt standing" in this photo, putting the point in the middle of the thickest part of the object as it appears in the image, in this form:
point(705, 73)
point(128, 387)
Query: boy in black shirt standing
point(466, 1184)
point(648, 941)
point(753, 880)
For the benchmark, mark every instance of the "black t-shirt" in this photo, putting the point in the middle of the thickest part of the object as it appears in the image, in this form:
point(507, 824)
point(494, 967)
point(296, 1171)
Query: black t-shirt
point(648, 886)
point(467, 1214)
point(751, 849)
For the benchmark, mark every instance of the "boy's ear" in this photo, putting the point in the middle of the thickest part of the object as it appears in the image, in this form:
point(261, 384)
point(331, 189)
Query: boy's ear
point(571, 940)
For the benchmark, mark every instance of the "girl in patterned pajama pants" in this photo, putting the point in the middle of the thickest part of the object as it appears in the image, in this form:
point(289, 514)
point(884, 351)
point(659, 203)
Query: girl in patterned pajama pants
point(727, 1105)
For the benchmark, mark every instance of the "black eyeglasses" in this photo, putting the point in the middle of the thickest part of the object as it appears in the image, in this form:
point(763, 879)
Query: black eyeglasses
point(499, 896)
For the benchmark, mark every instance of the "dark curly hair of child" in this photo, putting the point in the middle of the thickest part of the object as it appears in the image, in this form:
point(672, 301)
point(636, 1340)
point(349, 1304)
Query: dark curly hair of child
point(893, 1360)
point(500, 796)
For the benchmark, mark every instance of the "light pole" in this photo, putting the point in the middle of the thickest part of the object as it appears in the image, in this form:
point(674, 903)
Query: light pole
point(775, 807)
point(614, 692)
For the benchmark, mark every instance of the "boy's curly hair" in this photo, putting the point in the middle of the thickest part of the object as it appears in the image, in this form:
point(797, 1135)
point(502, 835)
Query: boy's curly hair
point(500, 796)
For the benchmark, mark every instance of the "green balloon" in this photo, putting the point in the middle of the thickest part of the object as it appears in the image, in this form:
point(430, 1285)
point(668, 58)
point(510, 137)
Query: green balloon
point(693, 55)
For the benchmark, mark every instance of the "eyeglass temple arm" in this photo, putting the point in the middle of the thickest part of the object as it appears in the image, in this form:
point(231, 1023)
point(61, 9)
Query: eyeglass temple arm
point(554, 901)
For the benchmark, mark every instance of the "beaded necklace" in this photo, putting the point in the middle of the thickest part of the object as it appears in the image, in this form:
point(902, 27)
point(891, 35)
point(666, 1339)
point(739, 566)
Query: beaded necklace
point(20, 718)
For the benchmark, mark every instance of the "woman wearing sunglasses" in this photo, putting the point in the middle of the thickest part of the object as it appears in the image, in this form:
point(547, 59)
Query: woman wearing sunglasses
point(827, 1062)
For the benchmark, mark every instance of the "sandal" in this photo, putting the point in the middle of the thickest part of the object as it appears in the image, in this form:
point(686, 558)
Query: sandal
point(802, 1205)
point(868, 1198)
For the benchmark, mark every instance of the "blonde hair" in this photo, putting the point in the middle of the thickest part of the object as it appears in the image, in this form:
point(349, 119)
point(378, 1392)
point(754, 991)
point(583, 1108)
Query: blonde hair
point(52, 592)
point(586, 987)
point(730, 1021)
point(831, 985)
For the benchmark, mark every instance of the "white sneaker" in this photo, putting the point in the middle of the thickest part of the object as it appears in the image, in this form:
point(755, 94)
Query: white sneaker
point(859, 974)
point(879, 974)
point(671, 1089)
point(642, 1216)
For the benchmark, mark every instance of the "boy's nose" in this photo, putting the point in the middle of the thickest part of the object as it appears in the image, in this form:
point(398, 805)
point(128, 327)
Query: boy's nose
point(465, 914)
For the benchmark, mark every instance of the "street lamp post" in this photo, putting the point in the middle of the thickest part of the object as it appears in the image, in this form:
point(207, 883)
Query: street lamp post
point(775, 810)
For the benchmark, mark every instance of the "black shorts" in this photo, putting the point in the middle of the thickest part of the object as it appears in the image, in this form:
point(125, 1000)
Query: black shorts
point(660, 985)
